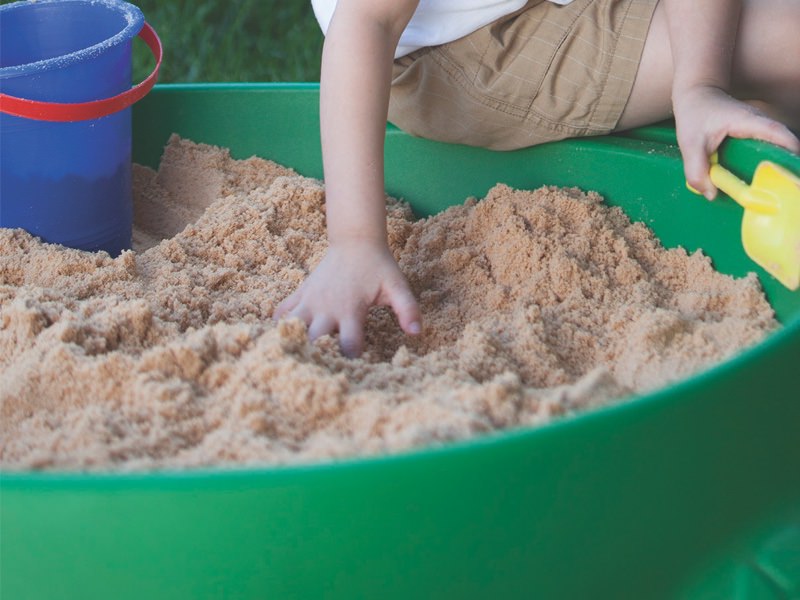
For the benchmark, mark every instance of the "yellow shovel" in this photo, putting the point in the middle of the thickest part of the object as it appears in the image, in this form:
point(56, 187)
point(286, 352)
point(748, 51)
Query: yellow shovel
point(771, 222)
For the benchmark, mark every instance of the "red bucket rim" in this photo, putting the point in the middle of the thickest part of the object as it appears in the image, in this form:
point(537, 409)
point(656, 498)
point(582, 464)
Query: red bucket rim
point(82, 111)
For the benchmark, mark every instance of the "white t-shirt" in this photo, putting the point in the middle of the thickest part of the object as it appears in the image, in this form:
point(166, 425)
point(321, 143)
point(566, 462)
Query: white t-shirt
point(437, 21)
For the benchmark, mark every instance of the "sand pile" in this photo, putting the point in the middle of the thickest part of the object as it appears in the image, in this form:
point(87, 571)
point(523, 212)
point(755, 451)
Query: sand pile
point(536, 304)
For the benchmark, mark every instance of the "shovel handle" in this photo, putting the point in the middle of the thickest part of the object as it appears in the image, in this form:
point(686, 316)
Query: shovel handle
point(760, 201)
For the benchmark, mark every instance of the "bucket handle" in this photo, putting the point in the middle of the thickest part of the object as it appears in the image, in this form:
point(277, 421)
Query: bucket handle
point(82, 111)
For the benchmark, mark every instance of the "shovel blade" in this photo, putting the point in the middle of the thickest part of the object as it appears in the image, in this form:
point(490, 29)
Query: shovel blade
point(773, 240)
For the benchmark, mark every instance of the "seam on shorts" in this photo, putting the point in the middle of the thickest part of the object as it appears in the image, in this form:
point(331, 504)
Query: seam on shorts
point(604, 105)
point(553, 124)
point(638, 19)
point(607, 67)
point(567, 30)
point(609, 58)
point(456, 72)
point(526, 114)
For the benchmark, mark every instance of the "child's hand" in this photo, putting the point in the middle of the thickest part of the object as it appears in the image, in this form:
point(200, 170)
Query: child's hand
point(352, 277)
point(704, 116)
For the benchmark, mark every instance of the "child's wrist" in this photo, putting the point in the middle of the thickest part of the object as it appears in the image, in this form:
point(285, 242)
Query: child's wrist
point(685, 85)
point(358, 240)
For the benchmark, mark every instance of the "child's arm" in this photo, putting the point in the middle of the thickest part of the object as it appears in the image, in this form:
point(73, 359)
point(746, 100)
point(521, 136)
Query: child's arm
point(702, 37)
point(358, 270)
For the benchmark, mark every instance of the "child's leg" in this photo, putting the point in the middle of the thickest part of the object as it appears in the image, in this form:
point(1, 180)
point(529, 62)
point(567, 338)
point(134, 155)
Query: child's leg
point(766, 64)
point(767, 61)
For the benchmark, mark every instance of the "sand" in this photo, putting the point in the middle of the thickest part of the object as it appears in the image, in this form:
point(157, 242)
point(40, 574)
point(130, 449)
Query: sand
point(537, 304)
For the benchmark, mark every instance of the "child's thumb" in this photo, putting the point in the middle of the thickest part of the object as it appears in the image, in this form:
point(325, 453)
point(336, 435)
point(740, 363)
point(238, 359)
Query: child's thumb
point(696, 166)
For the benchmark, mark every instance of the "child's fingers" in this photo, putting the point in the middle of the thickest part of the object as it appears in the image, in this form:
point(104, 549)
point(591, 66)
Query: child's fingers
point(321, 325)
point(351, 337)
point(405, 306)
point(696, 166)
point(768, 130)
point(695, 156)
point(287, 305)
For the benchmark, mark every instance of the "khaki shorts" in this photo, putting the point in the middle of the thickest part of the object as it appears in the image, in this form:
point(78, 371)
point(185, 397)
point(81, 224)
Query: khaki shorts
point(543, 73)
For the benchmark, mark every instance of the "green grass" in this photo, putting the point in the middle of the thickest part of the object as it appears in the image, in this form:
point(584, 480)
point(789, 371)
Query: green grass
point(243, 40)
point(231, 40)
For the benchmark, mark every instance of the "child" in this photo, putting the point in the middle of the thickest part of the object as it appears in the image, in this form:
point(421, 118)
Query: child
point(509, 73)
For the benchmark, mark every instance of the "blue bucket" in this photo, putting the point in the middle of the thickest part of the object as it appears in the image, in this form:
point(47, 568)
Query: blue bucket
point(65, 119)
